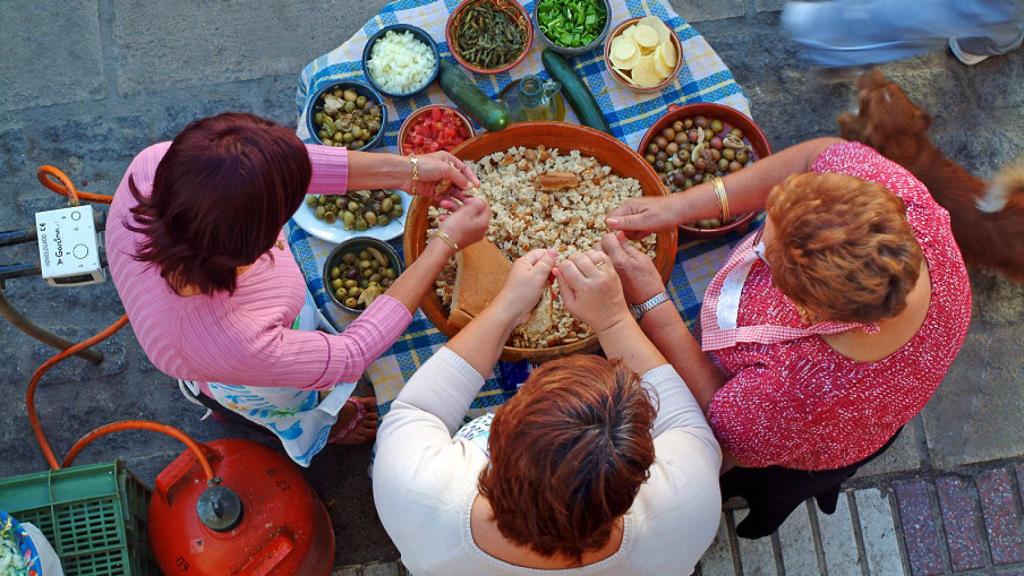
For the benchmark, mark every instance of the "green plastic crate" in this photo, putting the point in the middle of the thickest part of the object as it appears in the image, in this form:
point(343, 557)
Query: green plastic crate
point(93, 515)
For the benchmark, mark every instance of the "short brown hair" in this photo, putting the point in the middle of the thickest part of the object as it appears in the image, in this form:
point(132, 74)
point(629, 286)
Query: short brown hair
point(843, 247)
point(569, 453)
point(221, 194)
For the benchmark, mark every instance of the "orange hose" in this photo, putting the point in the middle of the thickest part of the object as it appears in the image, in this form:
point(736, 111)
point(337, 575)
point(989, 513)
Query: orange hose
point(33, 383)
point(56, 180)
point(142, 425)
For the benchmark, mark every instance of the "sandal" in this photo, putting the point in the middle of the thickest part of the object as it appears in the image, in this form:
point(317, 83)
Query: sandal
point(360, 416)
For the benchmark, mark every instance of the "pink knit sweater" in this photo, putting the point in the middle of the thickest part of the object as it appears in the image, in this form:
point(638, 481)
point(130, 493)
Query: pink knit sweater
point(244, 338)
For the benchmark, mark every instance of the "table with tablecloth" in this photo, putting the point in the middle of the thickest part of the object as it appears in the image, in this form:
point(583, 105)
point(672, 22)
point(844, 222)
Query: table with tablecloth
point(703, 77)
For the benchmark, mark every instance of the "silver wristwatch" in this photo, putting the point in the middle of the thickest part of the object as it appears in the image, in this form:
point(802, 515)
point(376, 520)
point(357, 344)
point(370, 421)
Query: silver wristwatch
point(639, 310)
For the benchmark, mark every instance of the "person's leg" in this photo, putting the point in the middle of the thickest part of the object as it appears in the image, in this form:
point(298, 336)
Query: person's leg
point(1001, 40)
point(865, 32)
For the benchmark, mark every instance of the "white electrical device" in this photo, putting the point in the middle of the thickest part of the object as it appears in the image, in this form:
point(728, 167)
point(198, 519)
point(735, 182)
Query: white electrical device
point(69, 247)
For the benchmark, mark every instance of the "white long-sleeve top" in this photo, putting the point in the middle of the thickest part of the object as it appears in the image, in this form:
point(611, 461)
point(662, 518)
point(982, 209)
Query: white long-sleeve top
point(424, 481)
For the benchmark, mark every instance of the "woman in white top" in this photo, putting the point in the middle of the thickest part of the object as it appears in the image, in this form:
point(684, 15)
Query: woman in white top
point(592, 469)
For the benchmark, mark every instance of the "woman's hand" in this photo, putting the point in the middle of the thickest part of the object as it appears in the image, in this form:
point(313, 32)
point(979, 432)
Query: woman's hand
point(591, 291)
point(466, 221)
point(639, 217)
point(526, 283)
point(441, 174)
point(640, 279)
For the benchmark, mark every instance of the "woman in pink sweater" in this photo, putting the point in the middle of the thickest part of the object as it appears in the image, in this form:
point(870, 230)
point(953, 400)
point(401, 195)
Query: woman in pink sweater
point(196, 251)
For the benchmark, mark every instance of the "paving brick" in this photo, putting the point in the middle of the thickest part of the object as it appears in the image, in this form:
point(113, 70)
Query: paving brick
point(986, 430)
point(12, 151)
point(756, 556)
point(879, 532)
point(1010, 572)
point(161, 45)
point(51, 53)
point(704, 10)
point(383, 569)
point(717, 561)
point(961, 517)
point(796, 540)
point(1020, 479)
point(920, 522)
point(1003, 520)
point(769, 5)
point(838, 540)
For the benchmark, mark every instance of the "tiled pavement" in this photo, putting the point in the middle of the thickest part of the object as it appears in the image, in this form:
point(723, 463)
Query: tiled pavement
point(141, 69)
point(964, 524)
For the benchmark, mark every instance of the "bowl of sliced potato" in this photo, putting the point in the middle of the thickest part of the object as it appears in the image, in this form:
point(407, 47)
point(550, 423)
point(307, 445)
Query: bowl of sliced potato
point(643, 54)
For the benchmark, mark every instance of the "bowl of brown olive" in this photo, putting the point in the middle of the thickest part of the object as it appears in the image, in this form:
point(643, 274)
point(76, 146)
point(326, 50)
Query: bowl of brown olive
point(358, 271)
point(694, 143)
point(347, 114)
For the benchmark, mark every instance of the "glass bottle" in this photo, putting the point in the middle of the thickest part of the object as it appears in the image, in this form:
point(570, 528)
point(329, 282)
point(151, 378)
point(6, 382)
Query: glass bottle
point(533, 100)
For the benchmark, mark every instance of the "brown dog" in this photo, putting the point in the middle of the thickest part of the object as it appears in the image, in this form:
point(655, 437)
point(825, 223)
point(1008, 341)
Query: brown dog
point(987, 219)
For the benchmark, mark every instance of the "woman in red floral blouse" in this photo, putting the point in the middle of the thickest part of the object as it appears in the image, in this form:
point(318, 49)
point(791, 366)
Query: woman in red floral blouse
point(827, 330)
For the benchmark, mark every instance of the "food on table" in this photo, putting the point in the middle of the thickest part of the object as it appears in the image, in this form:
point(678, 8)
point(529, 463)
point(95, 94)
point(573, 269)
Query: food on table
point(358, 210)
point(580, 97)
point(465, 94)
point(487, 36)
point(346, 118)
point(481, 269)
point(694, 150)
point(643, 53)
point(401, 63)
point(433, 130)
point(12, 561)
point(360, 276)
point(525, 217)
point(571, 23)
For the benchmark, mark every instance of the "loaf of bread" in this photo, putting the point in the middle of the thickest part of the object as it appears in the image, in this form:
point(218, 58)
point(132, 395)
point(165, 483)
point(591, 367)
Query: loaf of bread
point(482, 269)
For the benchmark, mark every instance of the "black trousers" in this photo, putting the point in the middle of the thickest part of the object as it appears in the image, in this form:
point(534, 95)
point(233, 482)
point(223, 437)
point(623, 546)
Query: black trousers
point(774, 492)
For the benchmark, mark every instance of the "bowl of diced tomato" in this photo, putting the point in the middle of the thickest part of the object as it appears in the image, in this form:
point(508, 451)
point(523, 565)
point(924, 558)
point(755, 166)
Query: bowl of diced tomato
point(434, 128)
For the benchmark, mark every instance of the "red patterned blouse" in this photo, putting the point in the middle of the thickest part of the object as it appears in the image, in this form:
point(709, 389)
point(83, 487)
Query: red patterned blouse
point(799, 403)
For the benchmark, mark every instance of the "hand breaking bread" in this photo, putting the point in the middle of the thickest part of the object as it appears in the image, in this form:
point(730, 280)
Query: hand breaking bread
point(481, 271)
point(542, 319)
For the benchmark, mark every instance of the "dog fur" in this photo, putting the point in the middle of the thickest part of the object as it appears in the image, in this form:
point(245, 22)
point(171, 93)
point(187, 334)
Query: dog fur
point(987, 219)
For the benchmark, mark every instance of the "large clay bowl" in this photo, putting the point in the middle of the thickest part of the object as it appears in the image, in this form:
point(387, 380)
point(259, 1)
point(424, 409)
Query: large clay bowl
point(730, 116)
point(606, 149)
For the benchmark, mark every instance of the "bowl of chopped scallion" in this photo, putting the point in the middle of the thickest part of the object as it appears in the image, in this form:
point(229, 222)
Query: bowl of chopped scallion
point(572, 27)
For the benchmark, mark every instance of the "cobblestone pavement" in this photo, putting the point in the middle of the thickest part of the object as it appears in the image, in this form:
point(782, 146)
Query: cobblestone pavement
point(87, 84)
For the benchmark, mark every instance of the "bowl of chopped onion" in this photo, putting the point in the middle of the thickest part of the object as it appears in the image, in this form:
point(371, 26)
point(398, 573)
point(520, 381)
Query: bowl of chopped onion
point(401, 60)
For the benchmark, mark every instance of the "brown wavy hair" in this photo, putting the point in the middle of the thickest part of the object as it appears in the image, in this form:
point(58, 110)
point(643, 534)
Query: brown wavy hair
point(843, 248)
point(221, 195)
point(569, 453)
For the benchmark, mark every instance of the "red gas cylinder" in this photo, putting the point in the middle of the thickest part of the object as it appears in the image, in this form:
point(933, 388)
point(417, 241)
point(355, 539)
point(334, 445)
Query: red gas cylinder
point(261, 519)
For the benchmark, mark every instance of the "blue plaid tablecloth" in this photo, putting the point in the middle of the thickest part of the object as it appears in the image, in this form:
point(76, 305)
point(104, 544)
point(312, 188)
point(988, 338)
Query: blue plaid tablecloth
point(703, 77)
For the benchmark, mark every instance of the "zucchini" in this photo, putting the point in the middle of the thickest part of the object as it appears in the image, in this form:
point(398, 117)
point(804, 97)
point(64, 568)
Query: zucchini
point(465, 94)
point(575, 91)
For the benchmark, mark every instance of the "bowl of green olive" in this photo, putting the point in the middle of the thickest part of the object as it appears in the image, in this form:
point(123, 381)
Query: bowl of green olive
point(360, 270)
point(347, 114)
point(335, 218)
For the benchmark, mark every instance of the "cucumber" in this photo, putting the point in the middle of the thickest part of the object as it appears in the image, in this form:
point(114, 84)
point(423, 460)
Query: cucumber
point(461, 89)
point(575, 91)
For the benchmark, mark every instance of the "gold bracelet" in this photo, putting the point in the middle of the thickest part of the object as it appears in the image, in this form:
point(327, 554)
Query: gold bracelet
point(723, 198)
point(446, 238)
point(415, 172)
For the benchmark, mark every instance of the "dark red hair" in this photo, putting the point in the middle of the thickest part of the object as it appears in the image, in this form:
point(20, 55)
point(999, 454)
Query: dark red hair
point(220, 196)
point(569, 453)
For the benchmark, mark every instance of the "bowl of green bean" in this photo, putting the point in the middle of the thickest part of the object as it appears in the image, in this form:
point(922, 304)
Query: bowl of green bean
point(489, 36)
point(572, 27)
